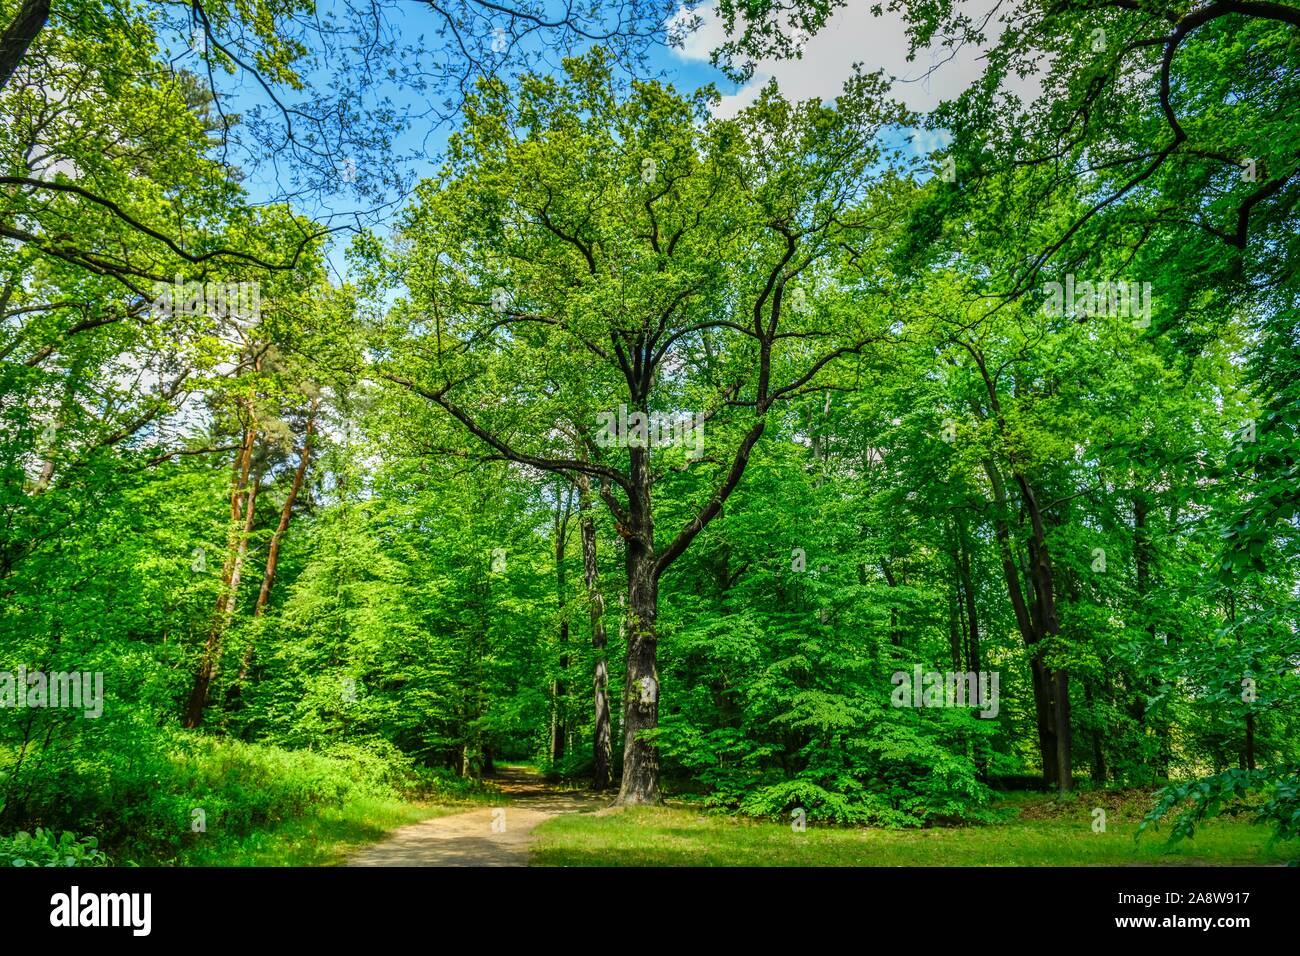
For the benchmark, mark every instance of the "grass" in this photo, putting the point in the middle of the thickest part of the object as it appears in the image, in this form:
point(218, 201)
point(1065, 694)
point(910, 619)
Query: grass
point(325, 839)
point(1038, 831)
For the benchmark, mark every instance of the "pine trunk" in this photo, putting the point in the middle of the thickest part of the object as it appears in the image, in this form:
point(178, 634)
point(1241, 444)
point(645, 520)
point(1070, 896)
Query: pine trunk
point(243, 501)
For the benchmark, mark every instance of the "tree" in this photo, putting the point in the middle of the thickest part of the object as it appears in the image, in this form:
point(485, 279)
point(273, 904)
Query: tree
point(589, 259)
point(601, 742)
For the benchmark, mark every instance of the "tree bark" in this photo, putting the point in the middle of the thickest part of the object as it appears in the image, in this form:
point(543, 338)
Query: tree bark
point(19, 36)
point(558, 690)
point(1046, 625)
point(243, 498)
point(956, 630)
point(273, 551)
point(60, 420)
point(1250, 741)
point(968, 592)
point(640, 783)
point(1035, 622)
point(602, 743)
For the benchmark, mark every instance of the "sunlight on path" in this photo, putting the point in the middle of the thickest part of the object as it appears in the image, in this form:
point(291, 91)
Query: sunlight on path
point(491, 836)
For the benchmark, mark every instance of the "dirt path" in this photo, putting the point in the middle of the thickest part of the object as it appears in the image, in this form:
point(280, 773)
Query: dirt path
point(492, 836)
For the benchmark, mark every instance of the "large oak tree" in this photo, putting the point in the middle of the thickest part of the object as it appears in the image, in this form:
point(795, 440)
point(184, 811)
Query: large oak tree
point(588, 252)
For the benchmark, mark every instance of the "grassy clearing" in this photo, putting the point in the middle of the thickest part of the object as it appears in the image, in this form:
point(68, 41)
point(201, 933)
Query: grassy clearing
point(325, 839)
point(1038, 831)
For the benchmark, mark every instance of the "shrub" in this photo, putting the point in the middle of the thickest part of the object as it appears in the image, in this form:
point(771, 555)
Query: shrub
point(45, 848)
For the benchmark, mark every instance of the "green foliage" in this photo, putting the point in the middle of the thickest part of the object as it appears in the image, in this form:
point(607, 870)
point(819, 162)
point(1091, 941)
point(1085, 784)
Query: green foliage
point(145, 800)
point(46, 848)
point(1270, 796)
point(331, 541)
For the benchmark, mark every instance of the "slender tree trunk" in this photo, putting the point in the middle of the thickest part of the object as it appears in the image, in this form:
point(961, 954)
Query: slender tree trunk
point(472, 749)
point(243, 497)
point(1047, 625)
point(966, 589)
point(559, 716)
point(286, 512)
point(602, 743)
point(956, 630)
point(69, 397)
point(968, 592)
point(1246, 758)
point(1036, 621)
point(273, 550)
point(1250, 741)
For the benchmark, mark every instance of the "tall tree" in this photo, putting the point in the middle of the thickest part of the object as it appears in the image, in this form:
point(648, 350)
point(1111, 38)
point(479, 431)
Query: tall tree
point(633, 262)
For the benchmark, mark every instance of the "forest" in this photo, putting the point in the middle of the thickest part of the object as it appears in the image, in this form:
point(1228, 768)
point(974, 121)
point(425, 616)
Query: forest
point(401, 397)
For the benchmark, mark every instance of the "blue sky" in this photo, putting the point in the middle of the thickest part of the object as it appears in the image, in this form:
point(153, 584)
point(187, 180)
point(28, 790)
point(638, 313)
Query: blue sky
point(853, 36)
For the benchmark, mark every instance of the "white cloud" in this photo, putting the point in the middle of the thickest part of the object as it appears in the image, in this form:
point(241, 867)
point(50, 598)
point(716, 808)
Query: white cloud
point(697, 44)
point(852, 35)
point(926, 141)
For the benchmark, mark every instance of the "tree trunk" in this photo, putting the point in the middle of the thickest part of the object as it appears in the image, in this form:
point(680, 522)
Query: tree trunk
point(20, 34)
point(242, 498)
point(1064, 740)
point(1036, 621)
point(1039, 620)
point(558, 689)
point(1046, 624)
point(273, 551)
point(956, 630)
point(602, 743)
point(60, 421)
point(1250, 741)
point(968, 592)
point(640, 783)
point(1142, 553)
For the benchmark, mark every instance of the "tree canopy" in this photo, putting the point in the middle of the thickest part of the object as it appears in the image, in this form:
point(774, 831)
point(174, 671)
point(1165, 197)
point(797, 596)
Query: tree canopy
point(754, 456)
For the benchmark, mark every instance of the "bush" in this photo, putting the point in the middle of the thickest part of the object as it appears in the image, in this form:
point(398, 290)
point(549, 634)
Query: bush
point(1271, 795)
point(168, 788)
point(44, 848)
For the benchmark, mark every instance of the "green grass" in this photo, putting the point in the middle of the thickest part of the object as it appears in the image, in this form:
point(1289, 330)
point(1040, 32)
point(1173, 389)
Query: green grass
point(680, 836)
point(325, 839)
